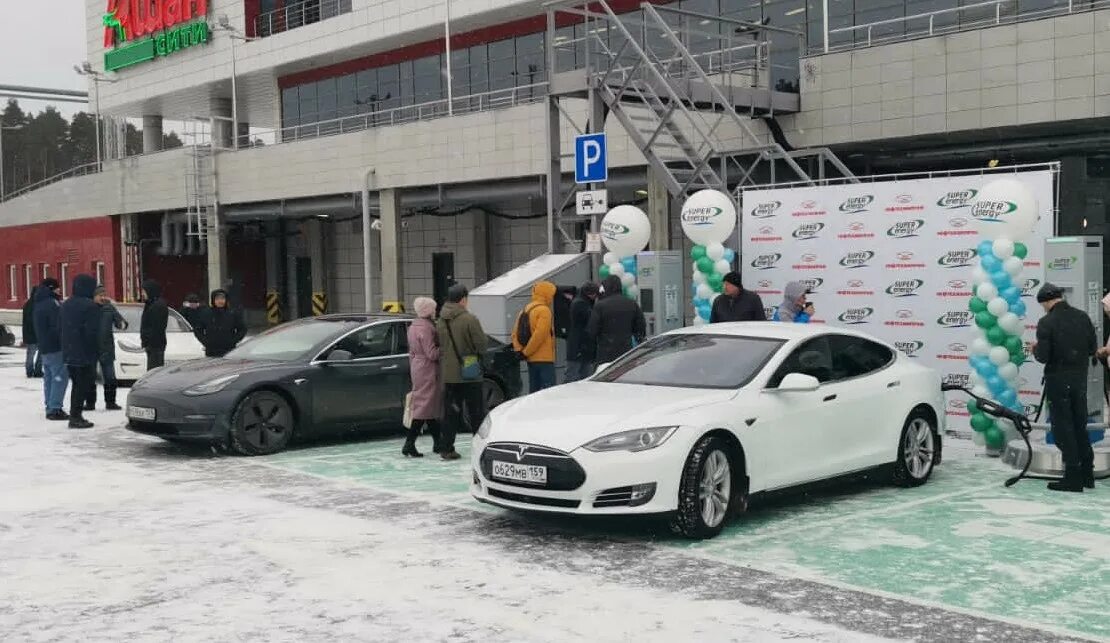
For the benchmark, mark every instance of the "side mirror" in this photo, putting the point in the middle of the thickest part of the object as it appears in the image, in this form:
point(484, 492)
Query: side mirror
point(601, 367)
point(338, 355)
point(798, 383)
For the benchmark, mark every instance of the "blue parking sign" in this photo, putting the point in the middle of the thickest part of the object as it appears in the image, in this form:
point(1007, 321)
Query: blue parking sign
point(590, 162)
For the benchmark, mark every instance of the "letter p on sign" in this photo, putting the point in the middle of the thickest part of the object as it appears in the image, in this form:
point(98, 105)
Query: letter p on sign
point(590, 162)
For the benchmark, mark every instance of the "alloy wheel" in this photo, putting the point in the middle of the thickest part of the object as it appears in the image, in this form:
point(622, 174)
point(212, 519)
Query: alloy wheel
point(715, 488)
point(919, 448)
point(265, 421)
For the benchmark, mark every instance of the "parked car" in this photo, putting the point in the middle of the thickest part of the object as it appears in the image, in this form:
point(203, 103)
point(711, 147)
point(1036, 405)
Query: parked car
point(696, 422)
point(181, 344)
point(331, 374)
point(7, 337)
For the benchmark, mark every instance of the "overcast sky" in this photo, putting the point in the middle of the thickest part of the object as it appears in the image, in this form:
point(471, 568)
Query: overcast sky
point(40, 41)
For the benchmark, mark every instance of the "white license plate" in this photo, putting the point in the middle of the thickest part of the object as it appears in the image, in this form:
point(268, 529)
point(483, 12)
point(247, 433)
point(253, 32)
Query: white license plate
point(529, 473)
point(140, 413)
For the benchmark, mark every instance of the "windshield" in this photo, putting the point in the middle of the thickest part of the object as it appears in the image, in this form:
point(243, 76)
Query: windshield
point(693, 361)
point(290, 341)
point(134, 315)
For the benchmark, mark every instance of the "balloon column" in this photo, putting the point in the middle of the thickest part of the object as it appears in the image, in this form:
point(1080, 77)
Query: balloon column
point(1004, 214)
point(625, 230)
point(708, 218)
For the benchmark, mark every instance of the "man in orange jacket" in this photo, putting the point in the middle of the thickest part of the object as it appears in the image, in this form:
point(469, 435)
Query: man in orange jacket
point(534, 337)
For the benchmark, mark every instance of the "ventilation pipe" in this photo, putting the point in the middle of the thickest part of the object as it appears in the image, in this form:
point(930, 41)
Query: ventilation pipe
point(167, 236)
point(191, 245)
point(178, 238)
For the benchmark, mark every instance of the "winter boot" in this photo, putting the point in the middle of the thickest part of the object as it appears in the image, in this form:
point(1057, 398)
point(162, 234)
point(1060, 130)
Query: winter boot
point(409, 450)
point(57, 415)
point(1072, 481)
point(1089, 478)
point(80, 423)
point(112, 406)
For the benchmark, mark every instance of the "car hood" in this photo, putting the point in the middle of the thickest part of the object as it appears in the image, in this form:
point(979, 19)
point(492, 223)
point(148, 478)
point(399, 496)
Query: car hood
point(568, 416)
point(179, 377)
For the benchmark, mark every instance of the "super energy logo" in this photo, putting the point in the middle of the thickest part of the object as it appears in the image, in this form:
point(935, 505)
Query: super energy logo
point(856, 315)
point(856, 204)
point(813, 284)
point(1029, 287)
point(858, 259)
point(956, 319)
point(904, 287)
point(613, 231)
point(957, 258)
point(905, 229)
point(957, 199)
point(992, 211)
point(959, 379)
point(910, 347)
point(764, 210)
point(1062, 263)
point(766, 262)
point(808, 231)
point(703, 216)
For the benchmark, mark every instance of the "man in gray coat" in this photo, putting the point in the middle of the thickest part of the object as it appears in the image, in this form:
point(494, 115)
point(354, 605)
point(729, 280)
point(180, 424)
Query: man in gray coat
point(110, 321)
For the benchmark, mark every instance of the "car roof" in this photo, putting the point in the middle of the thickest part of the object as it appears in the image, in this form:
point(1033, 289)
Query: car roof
point(364, 317)
point(771, 330)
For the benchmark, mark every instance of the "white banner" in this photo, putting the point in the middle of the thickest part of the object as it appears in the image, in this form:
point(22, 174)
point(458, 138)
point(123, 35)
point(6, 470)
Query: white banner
point(893, 259)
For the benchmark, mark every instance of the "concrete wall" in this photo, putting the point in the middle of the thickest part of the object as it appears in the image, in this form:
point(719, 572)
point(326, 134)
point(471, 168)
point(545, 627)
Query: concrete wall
point(1042, 71)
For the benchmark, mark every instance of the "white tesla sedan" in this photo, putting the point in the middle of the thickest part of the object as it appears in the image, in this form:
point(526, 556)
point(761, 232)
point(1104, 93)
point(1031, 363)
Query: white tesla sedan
point(695, 422)
point(181, 344)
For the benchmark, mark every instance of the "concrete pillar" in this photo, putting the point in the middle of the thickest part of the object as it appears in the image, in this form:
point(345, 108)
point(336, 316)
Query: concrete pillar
point(318, 255)
point(217, 251)
point(658, 211)
point(482, 248)
point(221, 125)
point(274, 257)
point(152, 134)
point(393, 276)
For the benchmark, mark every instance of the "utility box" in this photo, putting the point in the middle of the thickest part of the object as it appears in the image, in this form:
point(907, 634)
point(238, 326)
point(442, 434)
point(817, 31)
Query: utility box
point(1075, 265)
point(659, 278)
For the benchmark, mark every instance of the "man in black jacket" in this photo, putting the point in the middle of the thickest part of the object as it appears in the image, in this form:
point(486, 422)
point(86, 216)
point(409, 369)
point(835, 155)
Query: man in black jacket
point(152, 326)
point(737, 304)
point(581, 350)
point(616, 322)
point(1066, 345)
point(220, 327)
point(110, 321)
point(30, 342)
point(48, 332)
point(80, 343)
point(191, 310)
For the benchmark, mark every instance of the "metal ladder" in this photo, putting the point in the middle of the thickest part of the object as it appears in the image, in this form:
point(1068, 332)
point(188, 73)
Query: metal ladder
point(200, 183)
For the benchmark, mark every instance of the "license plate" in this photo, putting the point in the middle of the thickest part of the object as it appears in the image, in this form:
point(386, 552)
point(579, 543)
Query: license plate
point(528, 473)
point(140, 413)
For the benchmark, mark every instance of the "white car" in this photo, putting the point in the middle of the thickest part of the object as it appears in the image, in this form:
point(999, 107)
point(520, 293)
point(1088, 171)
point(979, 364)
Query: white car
point(181, 344)
point(696, 422)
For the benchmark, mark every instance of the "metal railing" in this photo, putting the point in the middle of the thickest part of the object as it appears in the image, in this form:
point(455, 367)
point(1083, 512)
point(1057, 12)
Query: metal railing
point(298, 14)
point(460, 105)
point(80, 170)
point(942, 21)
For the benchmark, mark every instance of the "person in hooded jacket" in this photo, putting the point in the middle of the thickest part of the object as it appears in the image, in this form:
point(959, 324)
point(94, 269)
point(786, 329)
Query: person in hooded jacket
point(152, 326)
point(33, 364)
point(539, 350)
point(191, 310)
point(48, 332)
point(221, 328)
point(794, 307)
point(616, 322)
point(110, 321)
point(426, 398)
point(460, 336)
point(581, 350)
point(80, 345)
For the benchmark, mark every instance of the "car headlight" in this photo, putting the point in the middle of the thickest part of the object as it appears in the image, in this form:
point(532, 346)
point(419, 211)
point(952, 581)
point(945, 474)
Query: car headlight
point(127, 346)
point(483, 431)
point(212, 386)
point(634, 440)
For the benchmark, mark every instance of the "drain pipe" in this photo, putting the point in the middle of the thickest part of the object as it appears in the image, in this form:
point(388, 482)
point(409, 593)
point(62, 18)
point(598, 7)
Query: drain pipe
point(367, 273)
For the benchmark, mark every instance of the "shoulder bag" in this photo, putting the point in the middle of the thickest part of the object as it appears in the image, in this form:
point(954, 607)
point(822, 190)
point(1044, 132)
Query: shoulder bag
point(470, 366)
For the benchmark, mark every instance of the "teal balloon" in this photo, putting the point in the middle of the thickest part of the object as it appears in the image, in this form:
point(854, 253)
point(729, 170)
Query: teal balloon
point(716, 281)
point(603, 271)
point(1020, 251)
point(985, 320)
point(976, 305)
point(697, 253)
point(996, 336)
point(705, 265)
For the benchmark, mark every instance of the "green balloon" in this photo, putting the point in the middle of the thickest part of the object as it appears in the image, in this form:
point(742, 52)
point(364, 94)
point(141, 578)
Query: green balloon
point(973, 407)
point(715, 281)
point(996, 336)
point(980, 422)
point(1017, 359)
point(1014, 345)
point(626, 292)
point(985, 320)
point(706, 265)
point(977, 305)
point(603, 271)
point(1020, 251)
point(697, 252)
point(995, 438)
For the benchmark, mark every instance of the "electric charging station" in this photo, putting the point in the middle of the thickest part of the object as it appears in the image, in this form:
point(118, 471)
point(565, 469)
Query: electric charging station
point(659, 278)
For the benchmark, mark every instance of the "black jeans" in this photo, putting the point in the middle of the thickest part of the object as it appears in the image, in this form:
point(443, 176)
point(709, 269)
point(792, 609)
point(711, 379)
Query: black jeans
point(1067, 404)
point(155, 358)
point(108, 374)
point(467, 398)
point(434, 430)
point(82, 381)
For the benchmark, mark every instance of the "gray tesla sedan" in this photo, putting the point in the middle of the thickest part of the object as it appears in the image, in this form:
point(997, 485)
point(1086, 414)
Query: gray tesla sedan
point(333, 374)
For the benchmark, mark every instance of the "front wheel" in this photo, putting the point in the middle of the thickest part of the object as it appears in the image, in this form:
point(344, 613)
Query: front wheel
point(706, 494)
point(917, 449)
point(262, 424)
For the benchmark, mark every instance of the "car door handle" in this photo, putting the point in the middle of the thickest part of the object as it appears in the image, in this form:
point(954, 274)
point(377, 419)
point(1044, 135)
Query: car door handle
point(391, 368)
point(830, 398)
point(893, 384)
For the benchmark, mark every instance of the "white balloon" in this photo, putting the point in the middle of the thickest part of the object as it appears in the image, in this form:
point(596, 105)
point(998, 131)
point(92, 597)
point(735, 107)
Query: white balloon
point(609, 258)
point(1004, 209)
point(986, 291)
point(1003, 248)
point(1014, 266)
point(998, 306)
point(1000, 356)
point(715, 251)
point(974, 379)
point(616, 269)
point(625, 230)
point(704, 291)
point(1008, 371)
point(708, 217)
point(979, 276)
point(698, 321)
point(722, 267)
point(981, 391)
point(627, 279)
point(634, 291)
point(700, 277)
point(1010, 323)
point(980, 346)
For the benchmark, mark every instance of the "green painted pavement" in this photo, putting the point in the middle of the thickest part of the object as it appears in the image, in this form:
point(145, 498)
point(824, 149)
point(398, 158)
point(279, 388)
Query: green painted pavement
point(961, 541)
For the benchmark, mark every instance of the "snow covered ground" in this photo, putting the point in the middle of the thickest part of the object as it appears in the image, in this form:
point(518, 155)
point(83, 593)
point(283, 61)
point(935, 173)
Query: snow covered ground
point(110, 536)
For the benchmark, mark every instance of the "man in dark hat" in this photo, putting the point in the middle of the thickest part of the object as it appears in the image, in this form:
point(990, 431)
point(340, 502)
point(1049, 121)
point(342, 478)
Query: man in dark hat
point(1066, 345)
point(737, 304)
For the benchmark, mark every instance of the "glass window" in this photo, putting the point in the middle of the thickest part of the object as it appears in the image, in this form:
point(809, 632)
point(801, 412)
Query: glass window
point(400, 338)
point(693, 361)
point(290, 107)
point(13, 282)
point(479, 70)
point(299, 339)
point(502, 64)
point(565, 49)
point(389, 88)
point(347, 95)
point(813, 358)
point(372, 341)
point(326, 99)
point(855, 356)
point(133, 315)
point(427, 79)
point(308, 103)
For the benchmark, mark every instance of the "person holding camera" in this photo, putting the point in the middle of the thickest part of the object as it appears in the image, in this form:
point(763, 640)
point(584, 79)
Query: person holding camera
point(794, 307)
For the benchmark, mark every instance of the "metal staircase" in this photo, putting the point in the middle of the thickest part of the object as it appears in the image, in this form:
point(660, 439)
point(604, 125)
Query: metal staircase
point(200, 184)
